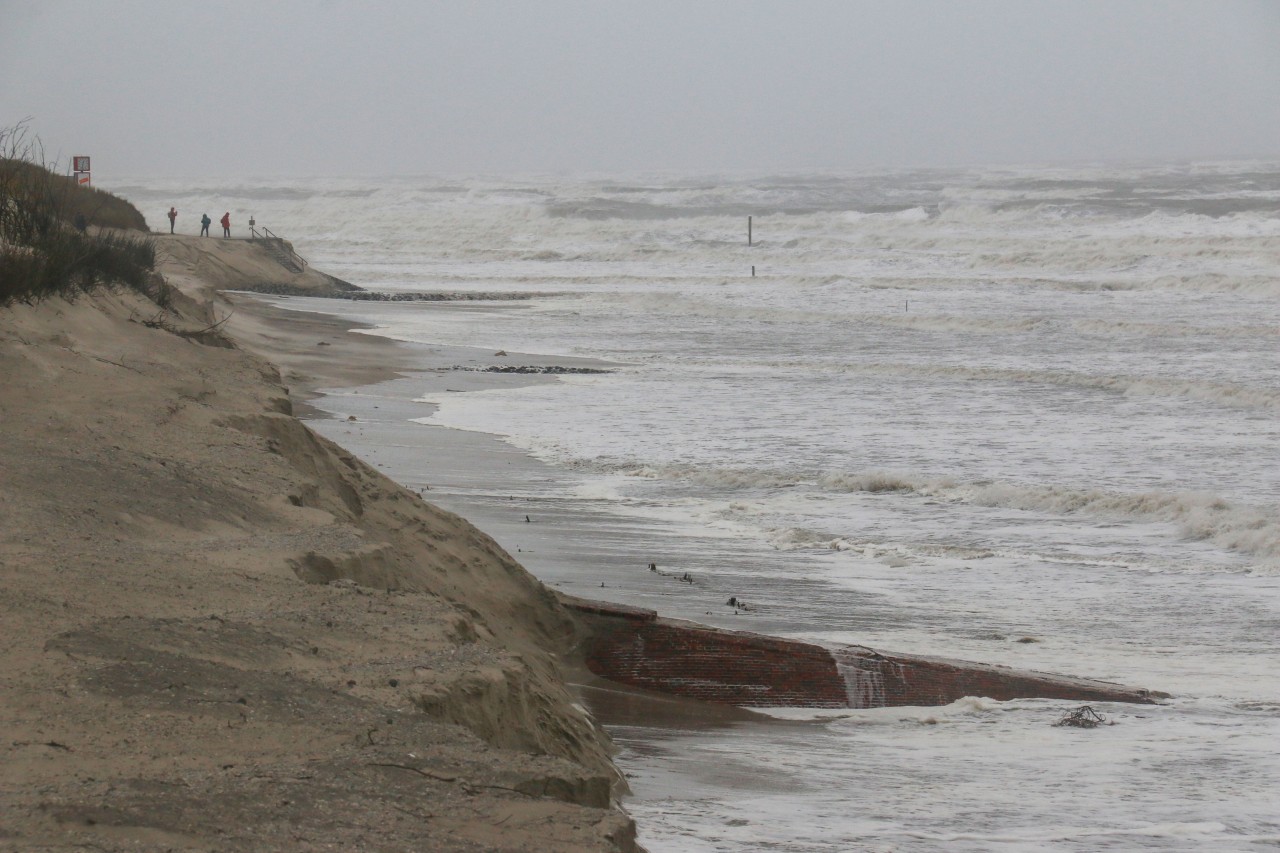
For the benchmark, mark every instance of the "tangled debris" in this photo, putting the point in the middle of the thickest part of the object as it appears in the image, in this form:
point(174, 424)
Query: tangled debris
point(1083, 718)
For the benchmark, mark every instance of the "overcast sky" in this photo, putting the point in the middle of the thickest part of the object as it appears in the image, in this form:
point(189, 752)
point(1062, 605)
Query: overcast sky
point(223, 87)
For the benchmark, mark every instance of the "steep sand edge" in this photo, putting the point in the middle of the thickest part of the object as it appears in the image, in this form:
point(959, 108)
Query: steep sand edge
point(224, 632)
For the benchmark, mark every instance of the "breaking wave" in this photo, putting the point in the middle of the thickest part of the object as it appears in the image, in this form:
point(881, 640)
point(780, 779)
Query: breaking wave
point(1114, 328)
point(1247, 530)
point(1217, 393)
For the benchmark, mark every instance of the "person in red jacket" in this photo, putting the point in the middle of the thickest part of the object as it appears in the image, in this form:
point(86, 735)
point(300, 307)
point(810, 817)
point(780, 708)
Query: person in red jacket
point(226, 224)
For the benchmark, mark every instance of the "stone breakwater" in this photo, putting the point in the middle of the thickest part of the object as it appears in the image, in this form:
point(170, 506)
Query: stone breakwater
point(548, 369)
point(635, 647)
point(440, 296)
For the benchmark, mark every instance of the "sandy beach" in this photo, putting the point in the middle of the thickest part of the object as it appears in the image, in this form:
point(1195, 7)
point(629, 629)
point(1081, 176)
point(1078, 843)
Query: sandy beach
point(225, 632)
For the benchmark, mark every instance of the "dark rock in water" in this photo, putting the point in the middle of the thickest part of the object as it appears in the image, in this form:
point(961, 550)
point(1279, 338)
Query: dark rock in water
point(439, 296)
point(554, 369)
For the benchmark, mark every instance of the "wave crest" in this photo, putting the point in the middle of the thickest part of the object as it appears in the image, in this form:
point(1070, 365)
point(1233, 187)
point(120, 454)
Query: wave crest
point(1198, 516)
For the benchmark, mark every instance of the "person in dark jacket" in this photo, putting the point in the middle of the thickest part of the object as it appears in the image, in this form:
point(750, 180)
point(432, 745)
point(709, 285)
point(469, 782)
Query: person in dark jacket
point(173, 217)
point(205, 222)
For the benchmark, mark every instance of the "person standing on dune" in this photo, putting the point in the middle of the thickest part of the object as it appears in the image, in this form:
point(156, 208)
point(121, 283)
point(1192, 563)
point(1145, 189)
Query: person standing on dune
point(205, 222)
point(173, 217)
point(226, 224)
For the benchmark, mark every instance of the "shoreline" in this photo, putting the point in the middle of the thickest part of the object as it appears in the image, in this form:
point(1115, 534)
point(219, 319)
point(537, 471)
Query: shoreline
point(384, 431)
point(352, 361)
point(296, 342)
point(318, 350)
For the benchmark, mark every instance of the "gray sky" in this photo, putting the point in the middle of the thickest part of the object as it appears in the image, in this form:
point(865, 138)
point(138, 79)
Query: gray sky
point(224, 87)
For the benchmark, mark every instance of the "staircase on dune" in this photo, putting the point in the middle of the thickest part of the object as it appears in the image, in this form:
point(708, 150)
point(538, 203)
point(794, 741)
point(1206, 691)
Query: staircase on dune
point(278, 249)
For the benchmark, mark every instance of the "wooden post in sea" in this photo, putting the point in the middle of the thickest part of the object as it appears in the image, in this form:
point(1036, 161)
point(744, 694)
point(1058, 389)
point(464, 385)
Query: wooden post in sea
point(753, 270)
point(748, 230)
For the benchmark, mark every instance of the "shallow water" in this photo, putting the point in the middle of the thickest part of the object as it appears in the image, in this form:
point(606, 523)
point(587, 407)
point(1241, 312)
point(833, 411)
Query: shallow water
point(950, 411)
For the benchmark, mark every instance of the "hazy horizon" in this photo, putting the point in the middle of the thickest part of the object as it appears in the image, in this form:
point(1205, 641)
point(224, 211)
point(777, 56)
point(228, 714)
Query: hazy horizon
point(561, 87)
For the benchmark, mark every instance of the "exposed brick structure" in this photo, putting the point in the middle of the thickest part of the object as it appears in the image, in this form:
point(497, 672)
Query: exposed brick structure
point(633, 646)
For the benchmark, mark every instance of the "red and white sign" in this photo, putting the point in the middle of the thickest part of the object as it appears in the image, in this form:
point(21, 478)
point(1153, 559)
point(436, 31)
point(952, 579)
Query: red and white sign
point(82, 178)
point(79, 164)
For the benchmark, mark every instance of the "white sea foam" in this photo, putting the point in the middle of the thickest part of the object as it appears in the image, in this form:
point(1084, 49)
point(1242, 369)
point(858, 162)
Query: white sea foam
point(1217, 393)
point(1137, 327)
point(1250, 530)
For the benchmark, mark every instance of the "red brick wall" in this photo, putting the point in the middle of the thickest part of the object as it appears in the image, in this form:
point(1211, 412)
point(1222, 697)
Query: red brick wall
point(634, 647)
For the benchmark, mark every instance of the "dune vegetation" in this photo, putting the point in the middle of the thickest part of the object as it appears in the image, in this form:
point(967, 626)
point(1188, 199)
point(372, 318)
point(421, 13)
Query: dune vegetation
point(58, 238)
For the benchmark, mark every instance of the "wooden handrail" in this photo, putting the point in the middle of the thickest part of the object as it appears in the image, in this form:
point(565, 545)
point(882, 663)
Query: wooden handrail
point(267, 235)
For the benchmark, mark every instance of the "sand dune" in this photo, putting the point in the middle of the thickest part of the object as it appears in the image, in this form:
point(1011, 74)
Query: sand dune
point(222, 631)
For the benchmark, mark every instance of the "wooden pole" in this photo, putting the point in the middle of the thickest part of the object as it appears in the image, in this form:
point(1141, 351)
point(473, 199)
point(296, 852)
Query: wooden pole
point(748, 230)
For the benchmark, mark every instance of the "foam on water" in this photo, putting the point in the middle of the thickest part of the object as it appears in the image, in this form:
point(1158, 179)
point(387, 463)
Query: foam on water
point(1024, 416)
